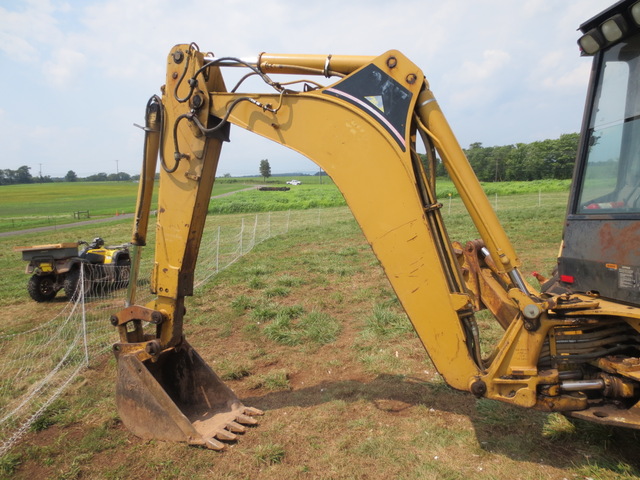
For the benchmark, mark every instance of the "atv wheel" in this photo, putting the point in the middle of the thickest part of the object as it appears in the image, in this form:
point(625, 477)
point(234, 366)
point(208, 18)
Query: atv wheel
point(123, 272)
point(72, 284)
point(42, 288)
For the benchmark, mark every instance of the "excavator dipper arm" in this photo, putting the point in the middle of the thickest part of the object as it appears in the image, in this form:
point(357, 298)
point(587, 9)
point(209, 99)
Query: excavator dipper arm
point(362, 131)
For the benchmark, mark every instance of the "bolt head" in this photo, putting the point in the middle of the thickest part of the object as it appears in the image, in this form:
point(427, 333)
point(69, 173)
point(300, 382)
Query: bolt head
point(178, 56)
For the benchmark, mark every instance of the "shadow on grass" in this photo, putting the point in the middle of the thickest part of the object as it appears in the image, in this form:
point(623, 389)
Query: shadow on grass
point(520, 434)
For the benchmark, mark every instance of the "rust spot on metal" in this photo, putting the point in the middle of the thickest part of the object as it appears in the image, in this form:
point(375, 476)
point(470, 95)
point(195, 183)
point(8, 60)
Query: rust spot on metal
point(615, 241)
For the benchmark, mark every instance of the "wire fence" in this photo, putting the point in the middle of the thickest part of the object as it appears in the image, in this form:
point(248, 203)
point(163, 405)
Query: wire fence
point(39, 363)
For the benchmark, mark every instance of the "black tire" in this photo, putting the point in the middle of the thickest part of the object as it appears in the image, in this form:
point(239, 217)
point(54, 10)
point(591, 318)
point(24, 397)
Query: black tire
point(71, 282)
point(42, 288)
point(123, 272)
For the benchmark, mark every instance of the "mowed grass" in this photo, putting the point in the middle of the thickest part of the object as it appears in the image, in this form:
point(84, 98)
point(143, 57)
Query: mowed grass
point(299, 197)
point(50, 204)
point(307, 328)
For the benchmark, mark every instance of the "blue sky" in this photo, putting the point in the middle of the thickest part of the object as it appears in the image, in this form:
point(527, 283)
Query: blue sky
point(76, 75)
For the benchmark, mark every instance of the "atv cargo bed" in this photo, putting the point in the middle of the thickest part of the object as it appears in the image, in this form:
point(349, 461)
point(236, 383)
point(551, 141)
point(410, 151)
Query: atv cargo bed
point(56, 251)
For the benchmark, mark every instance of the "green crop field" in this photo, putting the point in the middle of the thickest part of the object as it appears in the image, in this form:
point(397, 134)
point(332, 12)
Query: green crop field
point(35, 205)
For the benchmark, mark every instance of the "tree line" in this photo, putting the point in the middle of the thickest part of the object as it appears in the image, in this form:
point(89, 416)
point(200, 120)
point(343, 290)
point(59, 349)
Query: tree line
point(23, 175)
point(545, 159)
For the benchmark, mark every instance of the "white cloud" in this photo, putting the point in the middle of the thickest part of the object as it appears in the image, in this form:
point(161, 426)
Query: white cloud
point(576, 78)
point(30, 29)
point(492, 62)
point(64, 67)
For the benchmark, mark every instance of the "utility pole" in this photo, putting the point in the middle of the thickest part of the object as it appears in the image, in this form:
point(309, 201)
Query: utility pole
point(117, 172)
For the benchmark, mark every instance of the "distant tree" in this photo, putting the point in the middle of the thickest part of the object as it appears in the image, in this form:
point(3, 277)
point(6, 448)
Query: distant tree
point(265, 169)
point(98, 177)
point(71, 176)
point(119, 177)
point(551, 158)
point(226, 175)
point(23, 175)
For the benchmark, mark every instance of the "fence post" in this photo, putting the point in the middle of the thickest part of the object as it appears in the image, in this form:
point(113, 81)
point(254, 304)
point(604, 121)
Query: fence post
point(286, 230)
point(84, 314)
point(218, 251)
point(269, 225)
point(241, 235)
point(255, 228)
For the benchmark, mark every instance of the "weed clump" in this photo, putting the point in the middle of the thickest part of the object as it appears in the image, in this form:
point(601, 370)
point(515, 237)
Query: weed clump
point(384, 322)
point(274, 380)
point(315, 327)
point(269, 454)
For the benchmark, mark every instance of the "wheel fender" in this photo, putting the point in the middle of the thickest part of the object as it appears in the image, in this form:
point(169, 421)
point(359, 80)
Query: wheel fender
point(67, 265)
point(121, 255)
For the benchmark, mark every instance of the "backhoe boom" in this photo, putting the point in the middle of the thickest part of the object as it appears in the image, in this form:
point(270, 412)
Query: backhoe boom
point(362, 131)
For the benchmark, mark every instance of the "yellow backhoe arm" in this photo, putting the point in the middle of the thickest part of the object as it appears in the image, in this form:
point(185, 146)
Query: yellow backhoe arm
point(362, 131)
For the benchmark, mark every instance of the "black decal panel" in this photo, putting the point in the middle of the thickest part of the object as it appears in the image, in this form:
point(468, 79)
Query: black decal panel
point(380, 96)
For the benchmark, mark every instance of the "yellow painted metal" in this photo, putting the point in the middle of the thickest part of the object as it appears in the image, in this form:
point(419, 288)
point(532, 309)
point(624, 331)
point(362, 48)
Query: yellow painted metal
point(373, 162)
point(467, 185)
point(164, 389)
point(311, 64)
point(184, 193)
point(153, 124)
point(369, 167)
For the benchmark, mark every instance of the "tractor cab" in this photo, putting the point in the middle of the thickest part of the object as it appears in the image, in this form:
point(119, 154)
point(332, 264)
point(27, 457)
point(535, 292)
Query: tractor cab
point(600, 251)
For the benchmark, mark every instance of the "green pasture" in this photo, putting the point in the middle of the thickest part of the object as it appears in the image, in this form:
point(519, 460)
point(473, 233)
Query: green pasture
point(298, 197)
point(305, 179)
point(51, 204)
point(514, 211)
point(326, 195)
point(306, 328)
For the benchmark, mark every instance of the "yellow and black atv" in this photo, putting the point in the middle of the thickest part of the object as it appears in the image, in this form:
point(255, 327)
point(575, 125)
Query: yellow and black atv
point(57, 266)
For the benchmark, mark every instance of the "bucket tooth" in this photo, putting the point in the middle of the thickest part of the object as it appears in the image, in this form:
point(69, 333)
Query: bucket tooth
point(235, 427)
point(252, 411)
point(213, 444)
point(246, 420)
point(226, 436)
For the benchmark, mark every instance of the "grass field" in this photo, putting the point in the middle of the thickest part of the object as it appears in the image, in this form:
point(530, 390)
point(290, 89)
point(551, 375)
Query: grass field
point(50, 204)
point(357, 398)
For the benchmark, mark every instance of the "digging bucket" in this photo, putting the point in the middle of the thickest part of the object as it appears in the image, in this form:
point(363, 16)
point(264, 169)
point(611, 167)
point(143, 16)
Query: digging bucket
point(178, 397)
